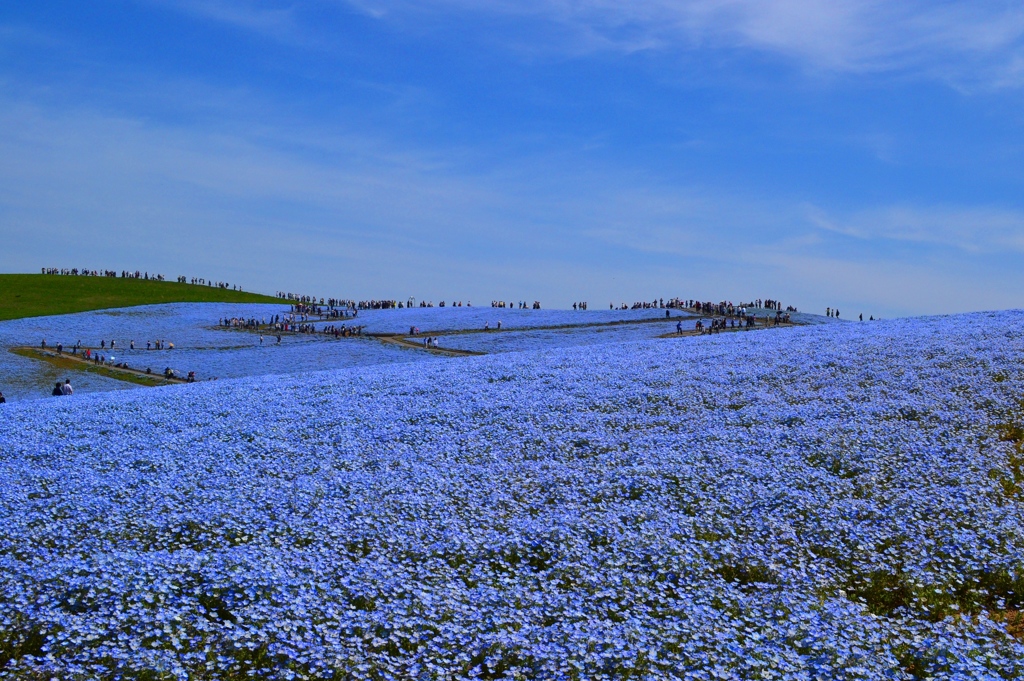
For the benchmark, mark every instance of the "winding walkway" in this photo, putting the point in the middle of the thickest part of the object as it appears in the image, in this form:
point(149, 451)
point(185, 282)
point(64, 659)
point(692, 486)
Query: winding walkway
point(65, 360)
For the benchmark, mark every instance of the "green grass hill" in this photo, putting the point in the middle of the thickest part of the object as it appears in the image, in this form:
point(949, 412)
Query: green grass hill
point(35, 295)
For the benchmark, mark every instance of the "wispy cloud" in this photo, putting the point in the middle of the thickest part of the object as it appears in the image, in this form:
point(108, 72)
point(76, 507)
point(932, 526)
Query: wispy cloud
point(970, 229)
point(277, 21)
point(279, 202)
point(965, 42)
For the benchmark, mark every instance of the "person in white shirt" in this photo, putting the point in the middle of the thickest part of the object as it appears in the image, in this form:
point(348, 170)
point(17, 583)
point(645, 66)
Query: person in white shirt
point(66, 389)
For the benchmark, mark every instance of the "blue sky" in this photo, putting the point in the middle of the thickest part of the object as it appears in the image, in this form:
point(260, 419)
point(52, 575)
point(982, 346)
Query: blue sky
point(848, 153)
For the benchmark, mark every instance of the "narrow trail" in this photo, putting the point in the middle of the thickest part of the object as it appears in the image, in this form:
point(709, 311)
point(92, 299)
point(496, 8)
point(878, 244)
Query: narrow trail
point(694, 332)
point(447, 352)
point(548, 327)
point(80, 363)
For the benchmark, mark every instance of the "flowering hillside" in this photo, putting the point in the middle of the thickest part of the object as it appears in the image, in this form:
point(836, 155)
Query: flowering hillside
point(831, 502)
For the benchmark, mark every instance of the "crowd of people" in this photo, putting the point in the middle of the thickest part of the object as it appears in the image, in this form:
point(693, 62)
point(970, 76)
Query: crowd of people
point(85, 272)
point(137, 274)
point(100, 357)
point(748, 321)
point(340, 304)
point(250, 323)
point(768, 304)
point(726, 308)
point(340, 307)
point(430, 303)
point(88, 353)
point(521, 305)
point(337, 308)
point(328, 311)
point(298, 322)
point(201, 281)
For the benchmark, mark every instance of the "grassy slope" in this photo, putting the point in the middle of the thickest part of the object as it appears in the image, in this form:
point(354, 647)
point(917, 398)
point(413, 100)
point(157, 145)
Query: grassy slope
point(34, 295)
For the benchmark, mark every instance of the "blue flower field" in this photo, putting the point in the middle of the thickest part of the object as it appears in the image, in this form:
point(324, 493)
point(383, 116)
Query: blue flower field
point(841, 501)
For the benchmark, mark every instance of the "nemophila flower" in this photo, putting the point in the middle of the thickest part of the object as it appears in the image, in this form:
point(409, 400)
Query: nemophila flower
point(838, 502)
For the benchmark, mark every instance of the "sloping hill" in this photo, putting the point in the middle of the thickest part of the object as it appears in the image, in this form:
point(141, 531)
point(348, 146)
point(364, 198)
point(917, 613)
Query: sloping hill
point(35, 295)
point(831, 502)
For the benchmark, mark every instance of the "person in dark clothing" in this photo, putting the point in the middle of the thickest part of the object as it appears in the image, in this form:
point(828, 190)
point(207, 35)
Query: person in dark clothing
point(2, 398)
point(58, 390)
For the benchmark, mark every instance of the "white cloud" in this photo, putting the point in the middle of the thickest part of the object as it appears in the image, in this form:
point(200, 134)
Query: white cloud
point(967, 43)
point(290, 206)
point(979, 41)
point(277, 22)
point(970, 229)
point(964, 42)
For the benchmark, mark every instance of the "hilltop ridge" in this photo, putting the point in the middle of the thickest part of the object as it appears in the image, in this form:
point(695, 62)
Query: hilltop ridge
point(37, 295)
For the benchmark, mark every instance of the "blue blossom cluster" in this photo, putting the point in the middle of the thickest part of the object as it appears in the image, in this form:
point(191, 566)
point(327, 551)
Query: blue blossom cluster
point(835, 502)
point(519, 340)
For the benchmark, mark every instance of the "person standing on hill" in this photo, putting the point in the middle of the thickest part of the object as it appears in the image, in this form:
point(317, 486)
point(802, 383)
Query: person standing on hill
point(2, 398)
point(58, 390)
point(66, 389)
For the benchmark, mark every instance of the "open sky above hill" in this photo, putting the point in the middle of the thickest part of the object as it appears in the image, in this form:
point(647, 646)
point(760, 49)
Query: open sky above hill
point(852, 153)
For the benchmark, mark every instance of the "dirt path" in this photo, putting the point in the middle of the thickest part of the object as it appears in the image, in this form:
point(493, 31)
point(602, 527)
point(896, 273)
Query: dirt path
point(80, 363)
point(550, 327)
point(694, 332)
point(405, 343)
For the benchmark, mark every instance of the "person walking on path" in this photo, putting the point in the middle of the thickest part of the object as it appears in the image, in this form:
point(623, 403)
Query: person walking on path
point(66, 389)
